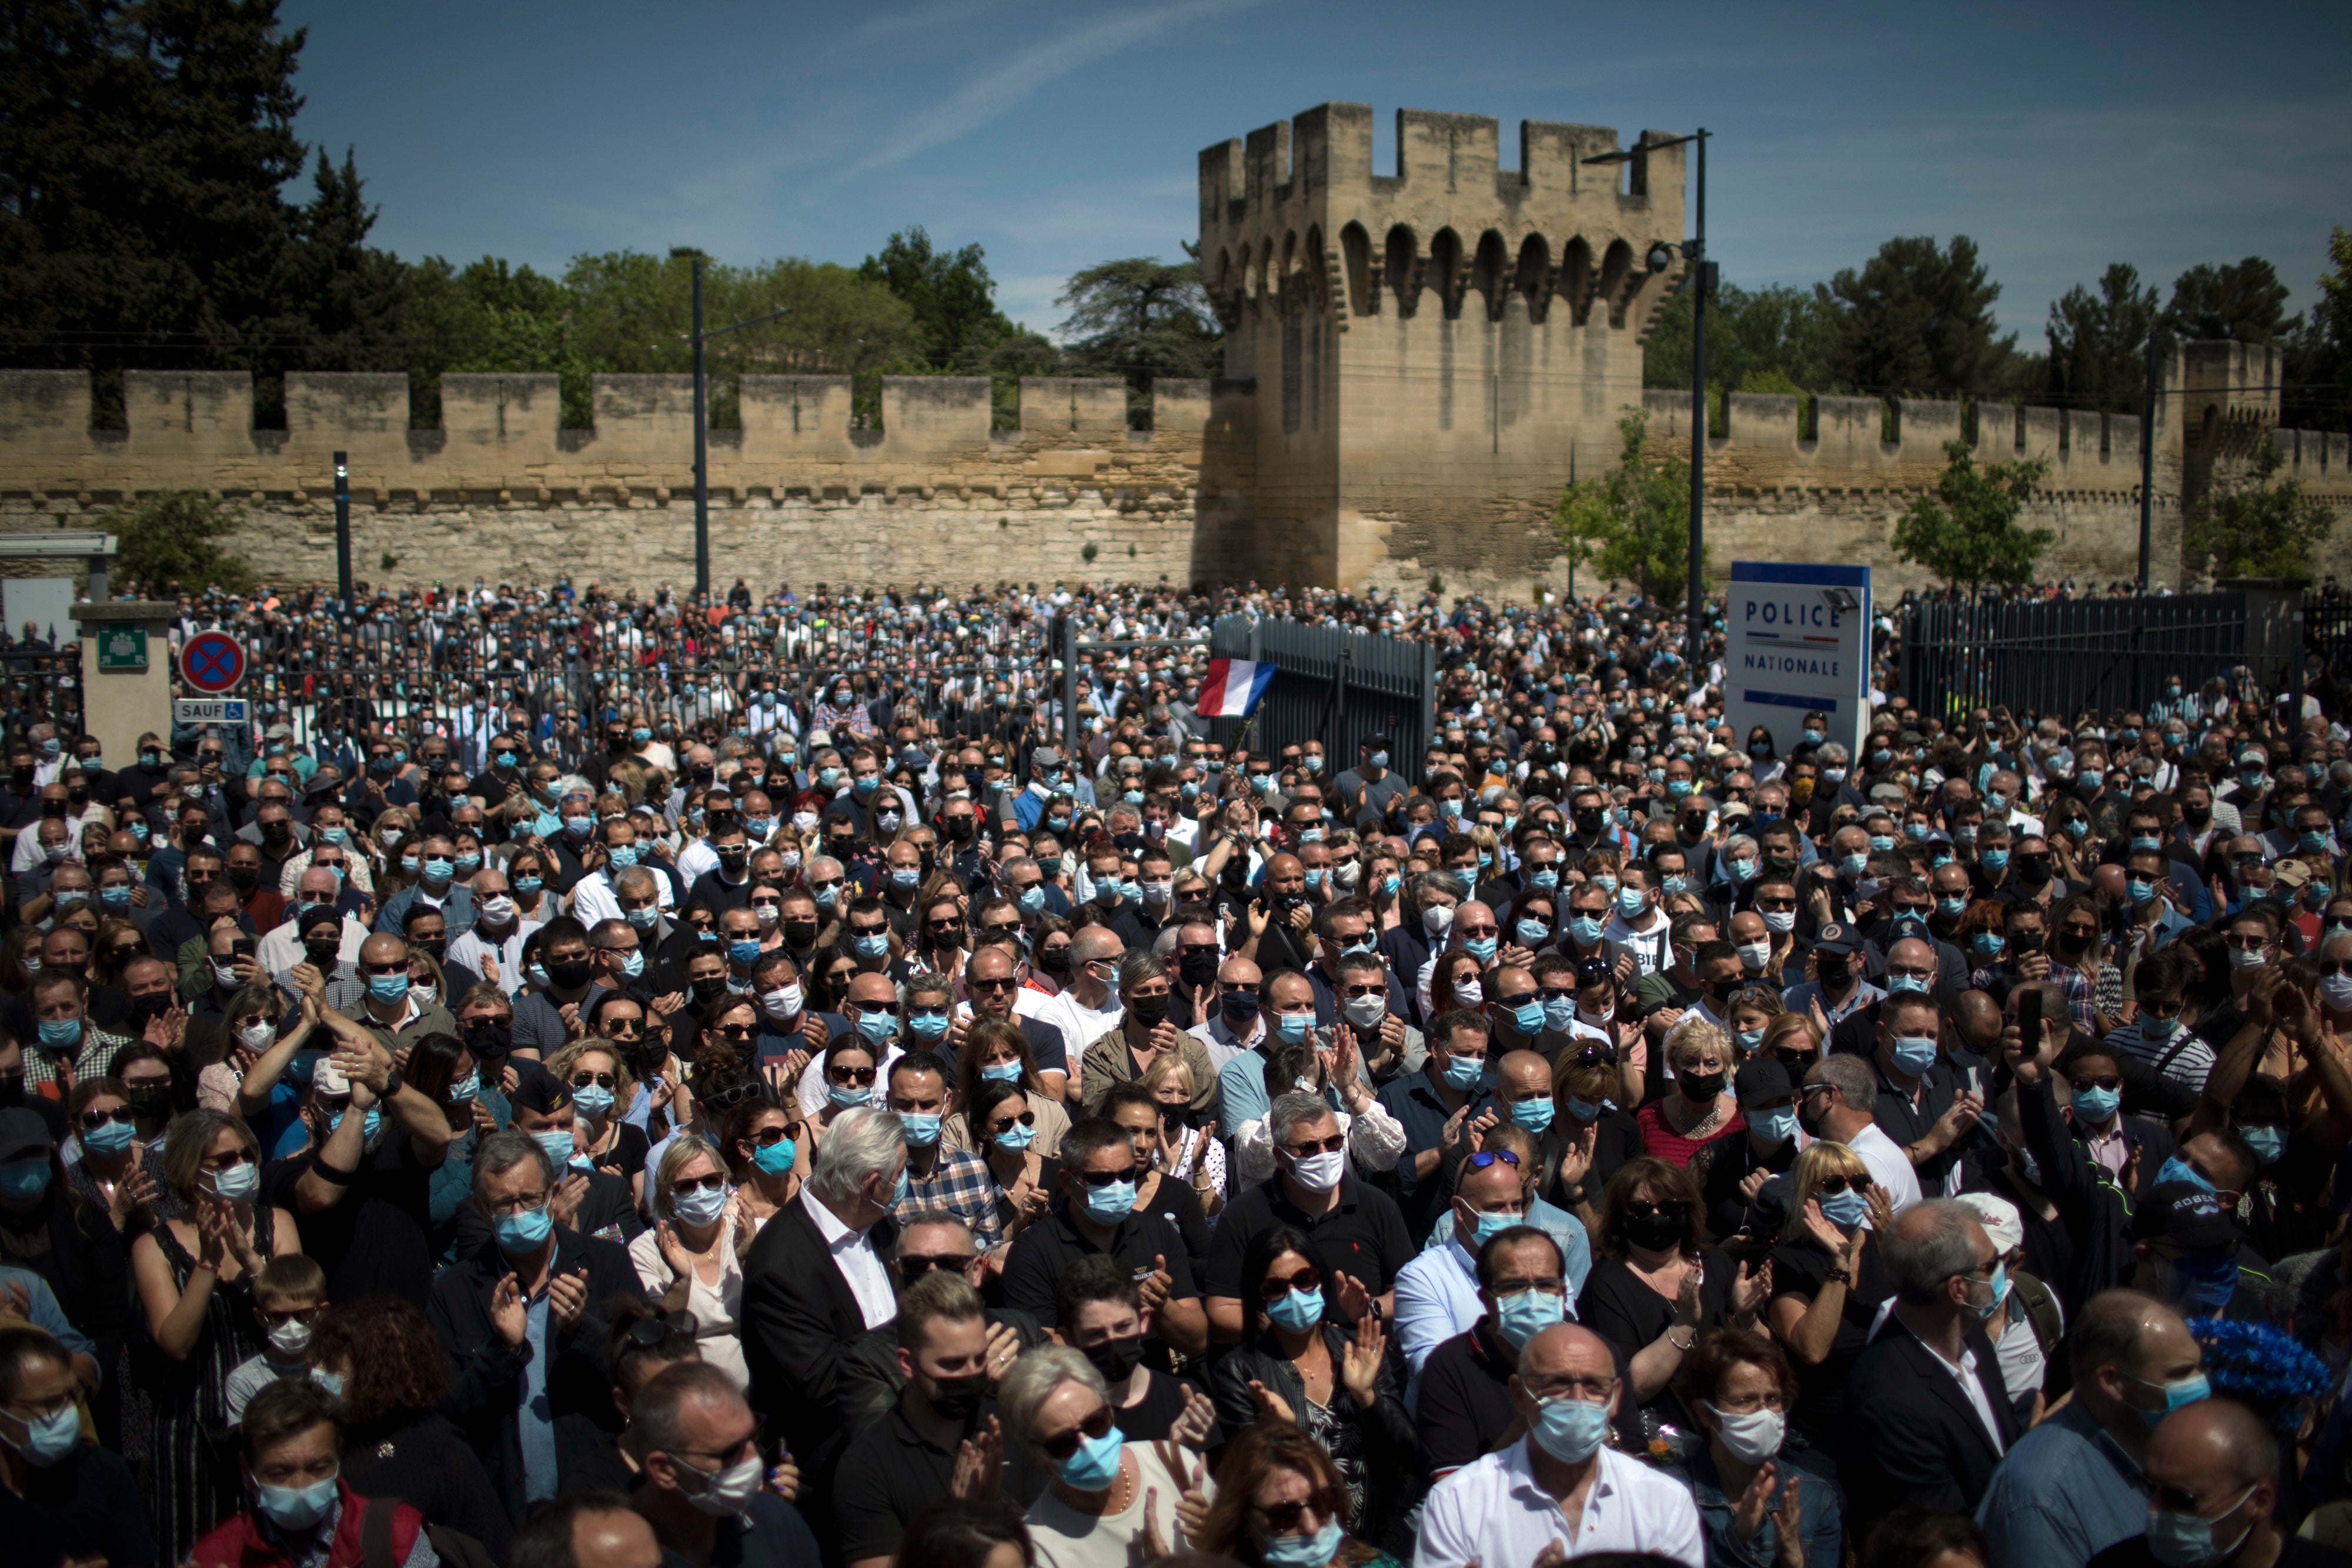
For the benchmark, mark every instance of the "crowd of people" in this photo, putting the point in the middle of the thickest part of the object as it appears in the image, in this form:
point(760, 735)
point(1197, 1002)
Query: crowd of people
point(613, 1082)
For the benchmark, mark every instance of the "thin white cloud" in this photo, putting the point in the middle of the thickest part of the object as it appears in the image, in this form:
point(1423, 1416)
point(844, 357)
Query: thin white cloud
point(1015, 79)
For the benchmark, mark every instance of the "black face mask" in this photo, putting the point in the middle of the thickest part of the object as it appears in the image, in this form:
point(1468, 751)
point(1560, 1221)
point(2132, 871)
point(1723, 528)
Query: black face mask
point(1197, 968)
point(1151, 1011)
point(800, 934)
point(2072, 945)
point(734, 856)
point(322, 955)
point(488, 1039)
point(571, 973)
point(1116, 1359)
point(1699, 1088)
point(245, 878)
point(1055, 961)
point(708, 988)
point(1588, 822)
point(2197, 816)
point(434, 946)
point(150, 1100)
point(1658, 1232)
point(1834, 972)
point(2033, 871)
point(958, 1398)
point(12, 1089)
point(959, 829)
point(153, 1005)
point(276, 832)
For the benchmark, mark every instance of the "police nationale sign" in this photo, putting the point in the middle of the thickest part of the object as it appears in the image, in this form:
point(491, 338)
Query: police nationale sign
point(1799, 643)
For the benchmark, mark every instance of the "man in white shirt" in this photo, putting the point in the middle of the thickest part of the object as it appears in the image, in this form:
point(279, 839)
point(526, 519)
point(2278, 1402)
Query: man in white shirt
point(1437, 1293)
point(1090, 1008)
point(1638, 924)
point(1835, 1104)
point(492, 946)
point(1561, 1487)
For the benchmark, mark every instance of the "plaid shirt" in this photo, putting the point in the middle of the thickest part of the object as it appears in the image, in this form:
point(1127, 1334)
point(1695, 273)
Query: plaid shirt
point(2080, 1000)
point(959, 1186)
point(90, 1059)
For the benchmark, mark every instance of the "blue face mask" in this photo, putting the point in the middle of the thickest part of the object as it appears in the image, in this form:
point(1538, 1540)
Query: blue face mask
point(746, 951)
point(1606, 884)
point(1559, 1013)
point(1315, 1551)
point(1109, 1205)
point(1774, 1128)
point(776, 1158)
point(108, 1138)
point(295, 1509)
point(1913, 1054)
point(922, 1127)
point(1527, 1017)
point(1002, 1072)
point(878, 1026)
point(1462, 1072)
point(527, 885)
point(61, 1034)
point(848, 1095)
point(1750, 1039)
point(527, 1231)
point(1583, 1110)
point(1479, 947)
point(1853, 866)
point(1095, 1465)
point(1899, 983)
point(1993, 859)
point(873, 946)
point(1570, 1429)
point(2094, 1106)
point(1584, 929)
point(1988, 944)
point(1629, 903)
point(622, 856)
point(1518, 1319)
point(927, 1025)
point(2175, 1168)
point(1545, 879)
point(2268, 1142)
point(387, 989)
point(1296, 1310)
point(905, 879)
point(1292, 1027)
point(1847, 1208)
point(1533, 1116)
point(2186, 1392)
point(1880, 844)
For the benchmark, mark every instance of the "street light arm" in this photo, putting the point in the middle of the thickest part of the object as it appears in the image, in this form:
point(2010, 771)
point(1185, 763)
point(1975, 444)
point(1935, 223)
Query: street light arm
point(1627, 155)
point(735, 326)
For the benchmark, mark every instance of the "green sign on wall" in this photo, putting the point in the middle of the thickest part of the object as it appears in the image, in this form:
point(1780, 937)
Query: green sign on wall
point(122, 648)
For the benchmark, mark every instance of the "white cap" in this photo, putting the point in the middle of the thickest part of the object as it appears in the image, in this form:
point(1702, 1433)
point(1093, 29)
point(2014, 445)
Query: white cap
point(1998, 1217)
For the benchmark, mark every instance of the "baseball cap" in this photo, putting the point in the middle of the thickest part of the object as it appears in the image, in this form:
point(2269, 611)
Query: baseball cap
point(1835, 940)
point(2188, 1216)
point(2000, 1218)
point(1761, 1079)
point(22, 1132)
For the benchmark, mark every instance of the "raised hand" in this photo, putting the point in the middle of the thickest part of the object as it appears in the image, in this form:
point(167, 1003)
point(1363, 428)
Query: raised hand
point(672, 1252)
point(1003, 1349)
point(1748, 1513)
point(1192, 1507)
point(979, 1463)
point(132, 1194)
point(1750, 1292)
point(1450, 1135)
point(1882, 1213)
point(1818, 1227)
point(1789, 1552)
point(1194, 1427)
point(1576, 1159)
point(1359, 1363)
point(508, 1313)
point(1156, 1286)
point(1353, 1300)
point(563, 1205)
point(1270, 1405)
point(784, 1479)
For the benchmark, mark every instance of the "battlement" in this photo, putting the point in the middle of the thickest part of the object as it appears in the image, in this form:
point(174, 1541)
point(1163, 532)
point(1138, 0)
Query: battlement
point(1294, 217)
point(501, 434)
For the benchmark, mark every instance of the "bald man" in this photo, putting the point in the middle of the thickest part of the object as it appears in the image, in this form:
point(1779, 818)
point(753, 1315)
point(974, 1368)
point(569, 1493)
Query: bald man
point(1508, 1507)
point(1279, 923)
point(2212, 1488)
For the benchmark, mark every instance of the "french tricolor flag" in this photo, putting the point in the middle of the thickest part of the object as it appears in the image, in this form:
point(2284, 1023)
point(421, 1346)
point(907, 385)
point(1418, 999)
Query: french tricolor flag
point(1232, 687)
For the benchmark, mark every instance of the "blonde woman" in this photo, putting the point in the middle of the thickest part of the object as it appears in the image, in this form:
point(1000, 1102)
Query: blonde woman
point(602, 1090)
point(1190, 1149)
point(1676, 1126)
point(1828, 1279)
point(692, 1259)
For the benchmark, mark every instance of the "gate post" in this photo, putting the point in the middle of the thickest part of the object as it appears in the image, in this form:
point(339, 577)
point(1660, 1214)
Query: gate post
point(2273, 647)
point(124, 697)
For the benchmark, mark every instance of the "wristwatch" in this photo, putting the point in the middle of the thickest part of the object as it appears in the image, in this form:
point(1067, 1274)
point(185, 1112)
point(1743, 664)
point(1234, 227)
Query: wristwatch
point(391, 1085)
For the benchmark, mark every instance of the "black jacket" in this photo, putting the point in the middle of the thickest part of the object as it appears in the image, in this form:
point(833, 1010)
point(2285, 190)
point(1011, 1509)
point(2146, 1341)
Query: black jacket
point(419, 1457)
point(486, 1373)
point(2093, 1210)
point(1909, 1435)
point(1392, 1448)
point(801, 1321)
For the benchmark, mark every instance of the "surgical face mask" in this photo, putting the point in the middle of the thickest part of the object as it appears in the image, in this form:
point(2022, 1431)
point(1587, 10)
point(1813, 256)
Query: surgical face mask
point(1095, 1464)
point(1109, 1205)
point(1754, 955)
point(1366, 1012)
point(1527, 1017)
point(290, 1339)
point(1320, 1173)
point(2094, 1106)
point(1915, 1054)
point(295, 1509)
point(1570, 1429)
point(1847, 1209)
point(1293, 1028)
point(727, 1494)
point(1584, 929)
point(2186, 1391)
point(1780, 922)
point(50, 1438)
point(1520, 1318)
point(1462, 1072)
point(1774, 1128)
point(1532, 1115)
point(1296, 1310)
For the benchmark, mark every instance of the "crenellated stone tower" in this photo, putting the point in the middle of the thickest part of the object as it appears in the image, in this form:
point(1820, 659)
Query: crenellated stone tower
point(1416, 361)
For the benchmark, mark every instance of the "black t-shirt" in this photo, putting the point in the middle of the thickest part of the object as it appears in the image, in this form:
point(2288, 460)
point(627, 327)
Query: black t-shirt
point(1616, 1305)
point(891, 1472)
point(1801, 1269)
point(1043, 1251)
point(1155, 1417)
point(2294, 1553)
point(377, 1239)
point(1465, 1401)
point(1176, 1202)
point(1364, 1236)
point(85, 1507)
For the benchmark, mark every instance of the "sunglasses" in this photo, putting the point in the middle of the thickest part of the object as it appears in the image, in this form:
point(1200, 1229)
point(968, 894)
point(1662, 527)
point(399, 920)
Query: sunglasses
point(739, 1032)
point(729, 1096)
point(94, 1119)
point(1643, 1209)
point(715, 1182)
point(914, 1266)
point(2106, 1081)
point(1330, 1145)
point(1106, 1178)
point(1276, 1286)
point(1832, 1186)
point(601, 1080)
point(1063, 1445)
point(647, 1333)
point(858, 1076)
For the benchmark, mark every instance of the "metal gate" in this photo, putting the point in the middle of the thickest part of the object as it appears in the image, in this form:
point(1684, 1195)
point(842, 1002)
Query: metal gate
point(2066, 657)
point(44, 686)
point(1333, 686)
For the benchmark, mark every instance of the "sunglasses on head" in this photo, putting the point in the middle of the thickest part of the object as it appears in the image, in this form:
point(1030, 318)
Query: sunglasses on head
point(728, 1096)
point(1485, 1157)
point(647, 1333)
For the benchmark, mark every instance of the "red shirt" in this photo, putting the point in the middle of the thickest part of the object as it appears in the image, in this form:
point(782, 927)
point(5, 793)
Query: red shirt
point(1660, 1141)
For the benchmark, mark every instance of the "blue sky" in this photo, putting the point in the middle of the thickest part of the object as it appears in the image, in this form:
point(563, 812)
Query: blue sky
point(2060, 136)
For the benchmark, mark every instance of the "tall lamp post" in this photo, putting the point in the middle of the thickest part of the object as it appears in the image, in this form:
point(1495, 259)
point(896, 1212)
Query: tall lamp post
point(697, 336)
point(1660, 256)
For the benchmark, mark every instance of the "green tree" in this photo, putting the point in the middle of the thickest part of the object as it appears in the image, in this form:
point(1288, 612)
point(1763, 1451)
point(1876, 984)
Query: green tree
point(1917, 322)
point(2244, 300)
point(168, 537)
point(1966, 530)
point(950, 292)
point(2260, 525)
point(2099, 344)
point(1141, 317)
point(2318, 394)
point(1633, 522)
point(143, 146)
point(1752, 337)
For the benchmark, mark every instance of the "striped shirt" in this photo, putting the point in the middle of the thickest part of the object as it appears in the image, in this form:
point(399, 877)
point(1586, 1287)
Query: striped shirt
point(2191, 1057)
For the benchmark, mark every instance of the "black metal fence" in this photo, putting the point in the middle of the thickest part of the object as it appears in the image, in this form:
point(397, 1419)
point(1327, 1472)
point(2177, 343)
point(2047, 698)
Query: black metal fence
point(2068, 656)
point(43, 686)
point(1333, 686)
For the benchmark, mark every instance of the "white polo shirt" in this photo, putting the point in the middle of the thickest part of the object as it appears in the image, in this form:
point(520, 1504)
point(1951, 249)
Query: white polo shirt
point(1493, 1510)
point(1890, 1168)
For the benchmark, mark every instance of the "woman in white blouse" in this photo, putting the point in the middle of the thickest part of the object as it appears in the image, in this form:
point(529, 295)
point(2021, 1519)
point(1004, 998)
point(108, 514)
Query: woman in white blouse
point(1189, 1149)
point(1375, 1138)
point(692, 1258)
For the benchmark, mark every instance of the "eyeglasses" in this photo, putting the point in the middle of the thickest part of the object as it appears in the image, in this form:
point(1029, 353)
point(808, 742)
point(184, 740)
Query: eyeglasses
point(94, 1118)
point(1833, 1184)
point(1106, 1178)
point(1062, 1444)
point(1274, 1286)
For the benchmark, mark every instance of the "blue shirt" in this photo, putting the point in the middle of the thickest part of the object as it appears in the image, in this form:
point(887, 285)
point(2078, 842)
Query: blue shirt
point(42, 1311)
point(535, 1422)
point(2065, 1494)
point(1820, 1518)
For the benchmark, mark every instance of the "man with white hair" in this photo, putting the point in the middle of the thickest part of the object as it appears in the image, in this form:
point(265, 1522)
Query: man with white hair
point(814, 1281)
